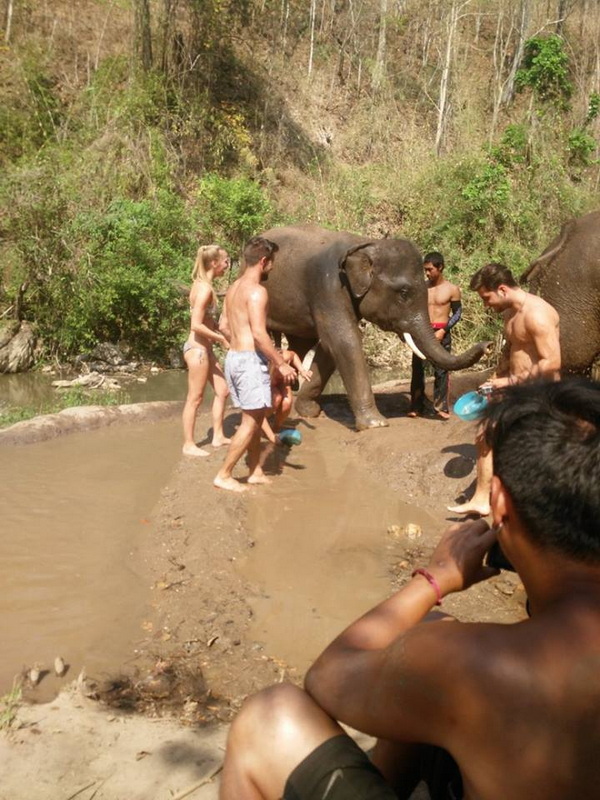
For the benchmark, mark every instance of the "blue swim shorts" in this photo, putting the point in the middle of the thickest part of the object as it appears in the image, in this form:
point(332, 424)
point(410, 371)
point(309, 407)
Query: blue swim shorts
point(248, 379)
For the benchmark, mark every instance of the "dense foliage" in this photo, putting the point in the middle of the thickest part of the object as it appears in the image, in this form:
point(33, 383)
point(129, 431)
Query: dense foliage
point(470, 126)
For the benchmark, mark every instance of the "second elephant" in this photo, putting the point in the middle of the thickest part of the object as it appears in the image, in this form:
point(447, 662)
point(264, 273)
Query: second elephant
point(323, 282)
point(567, 275)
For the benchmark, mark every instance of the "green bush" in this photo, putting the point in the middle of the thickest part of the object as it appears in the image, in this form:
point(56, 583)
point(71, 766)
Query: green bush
point(126, 284)
point(593, 108)
point(512, 150)
point(230, 210)
point(581, 146)
point(545, 69)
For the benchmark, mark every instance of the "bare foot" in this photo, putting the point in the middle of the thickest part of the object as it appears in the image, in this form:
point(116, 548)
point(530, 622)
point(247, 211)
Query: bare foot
point(413, 414)
point(472, 507)
point(220, 442)
point(193, 450)
point(260, 478)
point(229, 483)
point(442, 414)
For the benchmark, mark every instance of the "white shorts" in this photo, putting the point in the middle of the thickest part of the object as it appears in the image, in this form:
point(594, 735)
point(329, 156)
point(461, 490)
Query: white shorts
point(248, 379)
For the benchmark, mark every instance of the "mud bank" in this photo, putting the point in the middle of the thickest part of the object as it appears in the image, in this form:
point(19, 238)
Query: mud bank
point(234, 588)
point(84, 418)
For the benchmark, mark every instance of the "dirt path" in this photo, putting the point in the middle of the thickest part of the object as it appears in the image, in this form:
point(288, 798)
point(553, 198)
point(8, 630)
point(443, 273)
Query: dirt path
point(246, 590)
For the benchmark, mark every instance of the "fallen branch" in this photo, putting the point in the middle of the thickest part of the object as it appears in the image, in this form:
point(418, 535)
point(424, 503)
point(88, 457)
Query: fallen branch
point(190, 789)
point(79, 791)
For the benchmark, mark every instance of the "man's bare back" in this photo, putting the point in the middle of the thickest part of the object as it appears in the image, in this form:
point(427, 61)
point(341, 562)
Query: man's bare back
point(244, 323)
point(243, 301)
point(508, 744)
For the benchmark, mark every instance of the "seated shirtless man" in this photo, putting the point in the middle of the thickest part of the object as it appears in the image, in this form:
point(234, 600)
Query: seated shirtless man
point(532, 350)
point(244, 324)
point(478, 710)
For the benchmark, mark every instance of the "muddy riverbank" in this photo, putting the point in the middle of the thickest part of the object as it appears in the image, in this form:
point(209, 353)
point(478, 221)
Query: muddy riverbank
point(245, 590)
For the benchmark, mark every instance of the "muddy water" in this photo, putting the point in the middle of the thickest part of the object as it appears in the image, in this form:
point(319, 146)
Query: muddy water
point(72, 512)
point(321, 551)
point(35, 388)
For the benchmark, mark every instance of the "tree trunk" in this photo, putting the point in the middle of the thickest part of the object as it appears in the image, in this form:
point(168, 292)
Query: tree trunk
point(379, 69)
point(166, 34)
point(445, 79)
point(143, 34)
point(313, 14)
point(9, 14)
point(509, 88)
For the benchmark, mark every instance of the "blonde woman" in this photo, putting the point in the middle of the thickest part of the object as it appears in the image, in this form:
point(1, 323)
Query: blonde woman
point(211, 262)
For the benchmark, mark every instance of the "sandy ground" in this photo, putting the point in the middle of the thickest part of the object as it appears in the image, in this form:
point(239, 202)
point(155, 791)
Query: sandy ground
point(157, 730)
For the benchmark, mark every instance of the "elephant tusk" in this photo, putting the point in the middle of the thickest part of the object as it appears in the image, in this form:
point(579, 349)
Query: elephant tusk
point(411, 343)
point(307, 362)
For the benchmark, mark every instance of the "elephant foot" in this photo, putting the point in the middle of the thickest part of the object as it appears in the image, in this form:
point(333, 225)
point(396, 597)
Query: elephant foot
point(364, 422)
point(307, 408)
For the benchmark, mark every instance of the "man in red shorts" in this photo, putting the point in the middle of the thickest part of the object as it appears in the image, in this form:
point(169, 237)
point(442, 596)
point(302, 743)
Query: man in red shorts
point(445, 309)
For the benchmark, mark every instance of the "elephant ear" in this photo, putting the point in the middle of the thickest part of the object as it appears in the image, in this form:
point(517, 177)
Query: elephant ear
point(357, 265)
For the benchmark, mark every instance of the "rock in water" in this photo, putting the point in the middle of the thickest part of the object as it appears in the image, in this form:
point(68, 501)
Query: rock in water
point(17, 343)
point(59, 666)
point(34, 675)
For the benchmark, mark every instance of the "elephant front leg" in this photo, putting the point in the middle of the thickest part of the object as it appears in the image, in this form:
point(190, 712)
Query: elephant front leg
point(307, 399)
point(343, 341)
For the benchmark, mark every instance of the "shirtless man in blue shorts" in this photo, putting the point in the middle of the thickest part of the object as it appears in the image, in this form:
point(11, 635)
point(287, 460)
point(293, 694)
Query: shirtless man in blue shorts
point(244, 323)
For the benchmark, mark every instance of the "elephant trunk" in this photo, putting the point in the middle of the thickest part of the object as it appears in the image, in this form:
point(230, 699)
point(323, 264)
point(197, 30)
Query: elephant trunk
point(432, 350)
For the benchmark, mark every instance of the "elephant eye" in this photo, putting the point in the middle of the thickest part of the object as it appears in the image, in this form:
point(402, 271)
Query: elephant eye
point(403, 292)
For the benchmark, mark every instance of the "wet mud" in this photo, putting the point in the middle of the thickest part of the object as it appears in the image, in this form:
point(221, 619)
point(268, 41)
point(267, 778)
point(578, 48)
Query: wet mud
point(185, 597)
point(74, 510)
point(211, 595)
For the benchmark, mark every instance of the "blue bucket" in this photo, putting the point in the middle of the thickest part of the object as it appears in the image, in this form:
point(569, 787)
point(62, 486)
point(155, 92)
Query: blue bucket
point(290, 436)
point(470, 406)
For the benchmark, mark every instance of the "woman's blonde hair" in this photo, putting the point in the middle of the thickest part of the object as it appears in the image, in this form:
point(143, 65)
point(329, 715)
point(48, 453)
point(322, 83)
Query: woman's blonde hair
point(207, 253)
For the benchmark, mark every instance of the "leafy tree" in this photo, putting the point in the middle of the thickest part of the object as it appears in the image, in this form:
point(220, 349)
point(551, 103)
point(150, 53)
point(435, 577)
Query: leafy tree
point(545, 69)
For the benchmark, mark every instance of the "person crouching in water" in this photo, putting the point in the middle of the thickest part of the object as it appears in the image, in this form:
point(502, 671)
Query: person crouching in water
point(212, 261)
point(281, 393)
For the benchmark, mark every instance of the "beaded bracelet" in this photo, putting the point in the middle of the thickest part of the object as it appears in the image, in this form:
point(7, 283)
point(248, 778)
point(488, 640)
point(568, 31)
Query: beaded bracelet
point(432, 582)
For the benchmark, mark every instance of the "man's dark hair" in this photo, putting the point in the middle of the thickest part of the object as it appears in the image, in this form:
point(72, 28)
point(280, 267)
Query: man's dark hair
point(545, 440)
point(491, 277)
point(435, 259)
point(256, 248)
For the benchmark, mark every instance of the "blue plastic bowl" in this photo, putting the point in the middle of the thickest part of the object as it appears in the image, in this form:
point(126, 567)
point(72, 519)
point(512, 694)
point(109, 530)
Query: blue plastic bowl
point(290, 436)
point(470, 406)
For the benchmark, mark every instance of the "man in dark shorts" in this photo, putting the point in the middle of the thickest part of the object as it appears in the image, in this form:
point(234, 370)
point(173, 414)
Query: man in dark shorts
point(445, 310)
point(478, 710)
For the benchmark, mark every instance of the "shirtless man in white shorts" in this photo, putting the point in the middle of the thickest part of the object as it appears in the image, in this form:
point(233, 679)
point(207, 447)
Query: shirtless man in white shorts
point(531, 329)
point(244, 323)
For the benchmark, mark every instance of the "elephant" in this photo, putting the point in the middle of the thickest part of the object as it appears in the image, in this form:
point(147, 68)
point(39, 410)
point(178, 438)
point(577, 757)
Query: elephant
point(323, 283)
point(567, 275)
